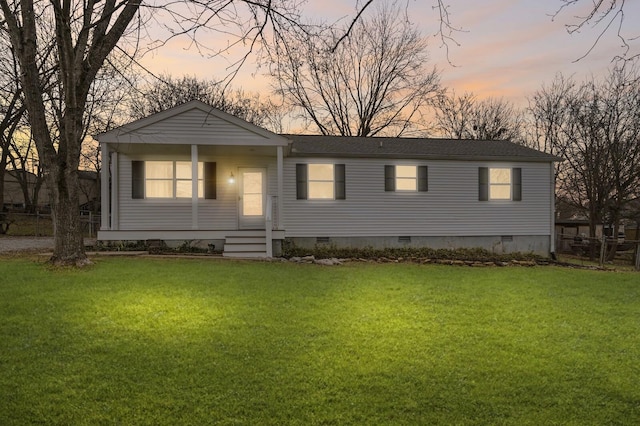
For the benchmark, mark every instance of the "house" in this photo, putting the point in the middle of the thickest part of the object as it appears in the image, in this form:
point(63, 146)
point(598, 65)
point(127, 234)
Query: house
point(14, 198)
point(195, 173)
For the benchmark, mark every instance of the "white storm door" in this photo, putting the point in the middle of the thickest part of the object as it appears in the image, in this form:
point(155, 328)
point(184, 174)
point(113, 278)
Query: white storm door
point(252, 198)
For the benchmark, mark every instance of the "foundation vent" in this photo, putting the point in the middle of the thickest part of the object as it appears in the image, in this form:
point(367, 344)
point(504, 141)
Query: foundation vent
point(507, 238)
point(404, 240)
point(322, 240)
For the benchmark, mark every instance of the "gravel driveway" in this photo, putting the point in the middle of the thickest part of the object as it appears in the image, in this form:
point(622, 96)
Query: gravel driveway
point(13, 244)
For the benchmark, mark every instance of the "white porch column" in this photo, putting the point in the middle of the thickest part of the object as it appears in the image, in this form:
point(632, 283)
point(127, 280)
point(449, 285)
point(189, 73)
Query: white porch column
point(194, 186)
point(115, 190)
point(280, 201)
point(105, 204)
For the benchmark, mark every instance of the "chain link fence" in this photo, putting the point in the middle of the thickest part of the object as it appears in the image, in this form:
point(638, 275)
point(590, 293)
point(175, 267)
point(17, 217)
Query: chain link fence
point(600, 248)
point(41, 225)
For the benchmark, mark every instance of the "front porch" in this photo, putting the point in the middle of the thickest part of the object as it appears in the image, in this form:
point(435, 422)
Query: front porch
point(193, 173)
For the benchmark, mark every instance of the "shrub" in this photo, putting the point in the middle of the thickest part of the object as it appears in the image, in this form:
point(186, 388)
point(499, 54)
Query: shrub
point(324, 251)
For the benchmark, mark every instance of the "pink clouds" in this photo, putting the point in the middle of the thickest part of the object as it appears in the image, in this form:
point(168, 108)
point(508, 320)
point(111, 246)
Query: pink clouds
point(509, 48)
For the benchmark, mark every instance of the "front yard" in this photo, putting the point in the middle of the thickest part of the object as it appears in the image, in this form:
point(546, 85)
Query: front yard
point(178, 341)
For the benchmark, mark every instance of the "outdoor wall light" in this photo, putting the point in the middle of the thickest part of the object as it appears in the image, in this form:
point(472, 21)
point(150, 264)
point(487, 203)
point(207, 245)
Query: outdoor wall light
point(232, 179)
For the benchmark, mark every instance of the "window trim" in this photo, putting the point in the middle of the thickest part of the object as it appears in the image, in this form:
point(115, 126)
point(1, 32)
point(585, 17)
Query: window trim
point(421, 178)
point(139, 179)
point(302, 182)
point(484, 184)
point(413, 180)
point(311, 181)
point(496, 185)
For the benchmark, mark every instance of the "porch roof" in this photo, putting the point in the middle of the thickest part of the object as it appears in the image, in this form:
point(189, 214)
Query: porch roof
point(192, 123)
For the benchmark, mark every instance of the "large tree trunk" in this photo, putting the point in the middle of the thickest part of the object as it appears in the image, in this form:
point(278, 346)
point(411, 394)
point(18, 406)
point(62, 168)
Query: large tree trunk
point(4, 227)
point(592, 235)
point(68, 239)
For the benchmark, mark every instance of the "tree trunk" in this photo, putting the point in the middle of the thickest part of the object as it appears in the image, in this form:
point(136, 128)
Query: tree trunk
point(3, 170)
point(637, 239)
point(67, 231)
point(592, 237)
point(614, 242)
point(4, 227)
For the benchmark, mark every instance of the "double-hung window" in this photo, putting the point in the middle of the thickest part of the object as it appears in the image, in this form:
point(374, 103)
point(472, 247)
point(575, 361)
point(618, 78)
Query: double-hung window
point(406, 178)
point(320, 181)
point(171, 179)
point(500, 183)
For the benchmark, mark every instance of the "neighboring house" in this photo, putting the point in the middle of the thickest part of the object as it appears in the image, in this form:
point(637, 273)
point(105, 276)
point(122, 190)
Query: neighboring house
point(13, 195)
point(88, 181)
point(195, 173)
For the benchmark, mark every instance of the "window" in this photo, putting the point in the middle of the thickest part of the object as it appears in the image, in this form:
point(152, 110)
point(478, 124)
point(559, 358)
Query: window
point(171, 179)
point(406, 178)
point(320, 181)
point(500, 183)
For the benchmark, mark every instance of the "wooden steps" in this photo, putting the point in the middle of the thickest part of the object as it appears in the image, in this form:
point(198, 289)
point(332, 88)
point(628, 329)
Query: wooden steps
point(245, 246)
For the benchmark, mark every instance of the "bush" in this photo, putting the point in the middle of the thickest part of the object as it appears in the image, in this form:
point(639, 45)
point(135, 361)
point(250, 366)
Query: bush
point(326, 251)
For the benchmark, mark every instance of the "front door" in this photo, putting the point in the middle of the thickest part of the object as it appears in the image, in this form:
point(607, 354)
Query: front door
point(252, 197)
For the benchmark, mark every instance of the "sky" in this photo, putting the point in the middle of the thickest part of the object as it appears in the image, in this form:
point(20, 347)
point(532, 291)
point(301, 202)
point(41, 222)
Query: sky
point(506, 48)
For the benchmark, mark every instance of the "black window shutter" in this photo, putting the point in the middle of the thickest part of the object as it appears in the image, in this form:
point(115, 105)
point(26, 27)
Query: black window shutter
point(516, 182)
point(210, 181)
point(137, 179)
point(483, 184)
point(301, 182)
point(423, 178)
point(389, 178)
point(339, 181)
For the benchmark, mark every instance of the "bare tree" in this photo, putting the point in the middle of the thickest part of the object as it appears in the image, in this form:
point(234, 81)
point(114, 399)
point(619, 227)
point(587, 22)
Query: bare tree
point(595, 127)
point(12, 112)
point(377, 81)
point(26, 168)
point(602, 17)
point(466, 117)
point(167, 91)
point(68, 41)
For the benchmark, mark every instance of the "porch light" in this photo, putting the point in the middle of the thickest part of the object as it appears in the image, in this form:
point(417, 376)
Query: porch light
point(232, 179)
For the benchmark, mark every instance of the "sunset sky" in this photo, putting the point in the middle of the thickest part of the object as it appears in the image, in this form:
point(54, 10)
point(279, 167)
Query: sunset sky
point(508, 48)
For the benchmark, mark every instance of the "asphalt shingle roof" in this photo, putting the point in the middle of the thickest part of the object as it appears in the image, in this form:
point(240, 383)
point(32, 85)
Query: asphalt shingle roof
point(434, 149)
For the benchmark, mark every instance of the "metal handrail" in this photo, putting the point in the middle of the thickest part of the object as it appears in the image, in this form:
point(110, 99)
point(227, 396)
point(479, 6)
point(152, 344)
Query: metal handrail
point(268, 226)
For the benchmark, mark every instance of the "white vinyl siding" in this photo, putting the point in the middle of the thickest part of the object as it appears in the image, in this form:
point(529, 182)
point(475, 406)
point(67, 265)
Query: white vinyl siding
point(449, 208)
point(195, 125)
point(176, 213)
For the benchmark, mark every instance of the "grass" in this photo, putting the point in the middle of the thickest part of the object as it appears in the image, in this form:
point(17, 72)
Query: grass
point(177, 341)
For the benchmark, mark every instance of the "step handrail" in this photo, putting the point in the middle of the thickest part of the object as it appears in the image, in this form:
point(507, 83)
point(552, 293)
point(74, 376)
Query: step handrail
point(268, 226)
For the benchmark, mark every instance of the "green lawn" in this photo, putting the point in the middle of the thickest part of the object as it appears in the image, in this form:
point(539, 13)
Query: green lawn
point(168, 341)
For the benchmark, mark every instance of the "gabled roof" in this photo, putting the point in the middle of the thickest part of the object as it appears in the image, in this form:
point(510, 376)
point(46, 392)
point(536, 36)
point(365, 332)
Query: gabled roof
point(418, 148)
point(193, 122)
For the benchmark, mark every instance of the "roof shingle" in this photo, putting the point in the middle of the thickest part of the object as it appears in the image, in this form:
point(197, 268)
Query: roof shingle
point(433, 149)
